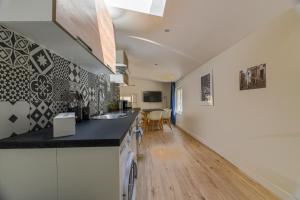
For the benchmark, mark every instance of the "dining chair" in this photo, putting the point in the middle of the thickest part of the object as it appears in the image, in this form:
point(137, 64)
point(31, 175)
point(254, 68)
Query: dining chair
point(166, 117)
point(144, 120)
point(155, 118)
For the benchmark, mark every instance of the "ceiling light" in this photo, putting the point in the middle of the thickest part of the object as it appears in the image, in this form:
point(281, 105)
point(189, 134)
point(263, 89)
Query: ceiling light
point(155, 65)
point(167, 30)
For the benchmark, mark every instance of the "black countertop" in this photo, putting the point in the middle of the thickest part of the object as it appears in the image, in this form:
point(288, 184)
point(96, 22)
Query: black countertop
point(91, 133)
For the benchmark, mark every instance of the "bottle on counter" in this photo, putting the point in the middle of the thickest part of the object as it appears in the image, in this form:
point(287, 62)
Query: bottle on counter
point(86, 112)
point(75, 105)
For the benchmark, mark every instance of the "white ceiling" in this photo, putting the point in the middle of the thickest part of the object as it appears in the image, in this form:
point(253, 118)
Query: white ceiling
point(200, 30)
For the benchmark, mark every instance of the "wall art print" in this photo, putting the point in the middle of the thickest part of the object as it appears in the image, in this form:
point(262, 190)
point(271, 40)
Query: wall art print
point(253, 77)
point(206, 86)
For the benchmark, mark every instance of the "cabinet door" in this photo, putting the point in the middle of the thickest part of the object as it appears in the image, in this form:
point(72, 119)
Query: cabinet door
point(107, 35)
point(28, 174)
point(88, 173)
point(79, 18)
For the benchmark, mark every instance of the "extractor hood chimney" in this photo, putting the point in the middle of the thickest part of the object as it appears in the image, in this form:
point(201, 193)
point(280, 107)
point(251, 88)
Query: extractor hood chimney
point(121, 77)
point(122, 59)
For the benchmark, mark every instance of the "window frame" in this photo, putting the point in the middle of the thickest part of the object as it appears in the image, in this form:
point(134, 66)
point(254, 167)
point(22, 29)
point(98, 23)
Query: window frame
point(179, 90)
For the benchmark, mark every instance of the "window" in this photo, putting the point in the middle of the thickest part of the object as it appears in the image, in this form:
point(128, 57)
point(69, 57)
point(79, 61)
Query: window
point(152, 7)
point(179, 100)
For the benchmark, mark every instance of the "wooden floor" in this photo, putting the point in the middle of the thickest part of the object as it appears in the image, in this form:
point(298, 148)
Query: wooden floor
point(175, 166)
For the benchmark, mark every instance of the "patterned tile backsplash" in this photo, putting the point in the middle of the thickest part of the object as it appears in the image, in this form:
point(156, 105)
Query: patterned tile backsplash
point(35, 84)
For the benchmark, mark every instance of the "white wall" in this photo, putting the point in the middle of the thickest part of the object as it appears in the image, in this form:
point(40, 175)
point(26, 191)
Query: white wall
point(141, 85)
point(257, 130)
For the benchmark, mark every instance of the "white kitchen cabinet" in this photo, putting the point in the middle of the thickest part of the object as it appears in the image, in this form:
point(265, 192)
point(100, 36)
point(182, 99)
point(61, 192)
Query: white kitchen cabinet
point(64, 172)
point(60, 174)
point(28, 174)
point(88, 173)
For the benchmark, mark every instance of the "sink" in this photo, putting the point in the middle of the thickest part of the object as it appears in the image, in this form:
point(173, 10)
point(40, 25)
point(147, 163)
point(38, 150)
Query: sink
point(111, 116)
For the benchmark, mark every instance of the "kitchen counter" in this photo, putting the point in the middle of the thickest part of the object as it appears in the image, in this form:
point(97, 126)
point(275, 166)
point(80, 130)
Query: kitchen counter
point(91, 133)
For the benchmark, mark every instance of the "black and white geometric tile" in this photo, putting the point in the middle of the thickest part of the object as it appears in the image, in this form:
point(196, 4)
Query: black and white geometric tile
point(74, 87)
point(14, 48)
point(61, 67)
point(4, 81)
point(33, 46)
point(61, 89)
point(21, 44)
point(19, 85)
point(40, 60)
point(84, 85)
point(5, 55)
point(84, 91)
point(114, 93)
point(59, 107)
point(101, 105)
point(14, 53)
point(101, 79)
point(92, 94)
point(92, 79)
point(35, 83)
point(93, 108)
point(84, 77)
point(101, 98)
point(41, 87)
point(104, 85)
point(101, 95)
point(41, 115)
point(6, 37)
point(74, 73)
point(13, 118)
point(14, 83)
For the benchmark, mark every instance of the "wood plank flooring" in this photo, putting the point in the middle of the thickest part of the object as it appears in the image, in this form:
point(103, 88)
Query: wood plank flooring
point(175, 166)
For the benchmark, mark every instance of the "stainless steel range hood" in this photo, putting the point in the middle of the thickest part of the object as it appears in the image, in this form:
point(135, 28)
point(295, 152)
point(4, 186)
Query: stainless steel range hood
point(121, 79)
point(122, 73)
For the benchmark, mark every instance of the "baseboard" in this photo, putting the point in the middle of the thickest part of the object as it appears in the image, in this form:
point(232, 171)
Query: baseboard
point(275, 189)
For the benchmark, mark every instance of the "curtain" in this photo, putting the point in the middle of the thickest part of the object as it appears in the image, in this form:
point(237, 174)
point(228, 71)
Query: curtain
point(173, 104)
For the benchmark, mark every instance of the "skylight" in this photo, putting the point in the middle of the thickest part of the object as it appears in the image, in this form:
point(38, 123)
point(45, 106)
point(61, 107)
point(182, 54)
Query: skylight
point(152, 7)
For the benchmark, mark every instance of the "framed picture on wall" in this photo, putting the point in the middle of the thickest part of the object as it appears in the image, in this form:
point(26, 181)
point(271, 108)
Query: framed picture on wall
point(206, 86)
point(253, 77)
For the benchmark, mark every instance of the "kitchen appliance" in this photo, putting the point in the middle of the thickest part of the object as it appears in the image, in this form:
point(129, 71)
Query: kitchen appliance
point(78, 112)
point(124, 105)
point(129, 178)
point(86, 112)
point(76, 104)
point(122, 73)
point(129, 169)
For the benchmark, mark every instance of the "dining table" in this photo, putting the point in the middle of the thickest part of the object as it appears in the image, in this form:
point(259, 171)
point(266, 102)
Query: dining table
point(146, 113)
point(152, 109)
